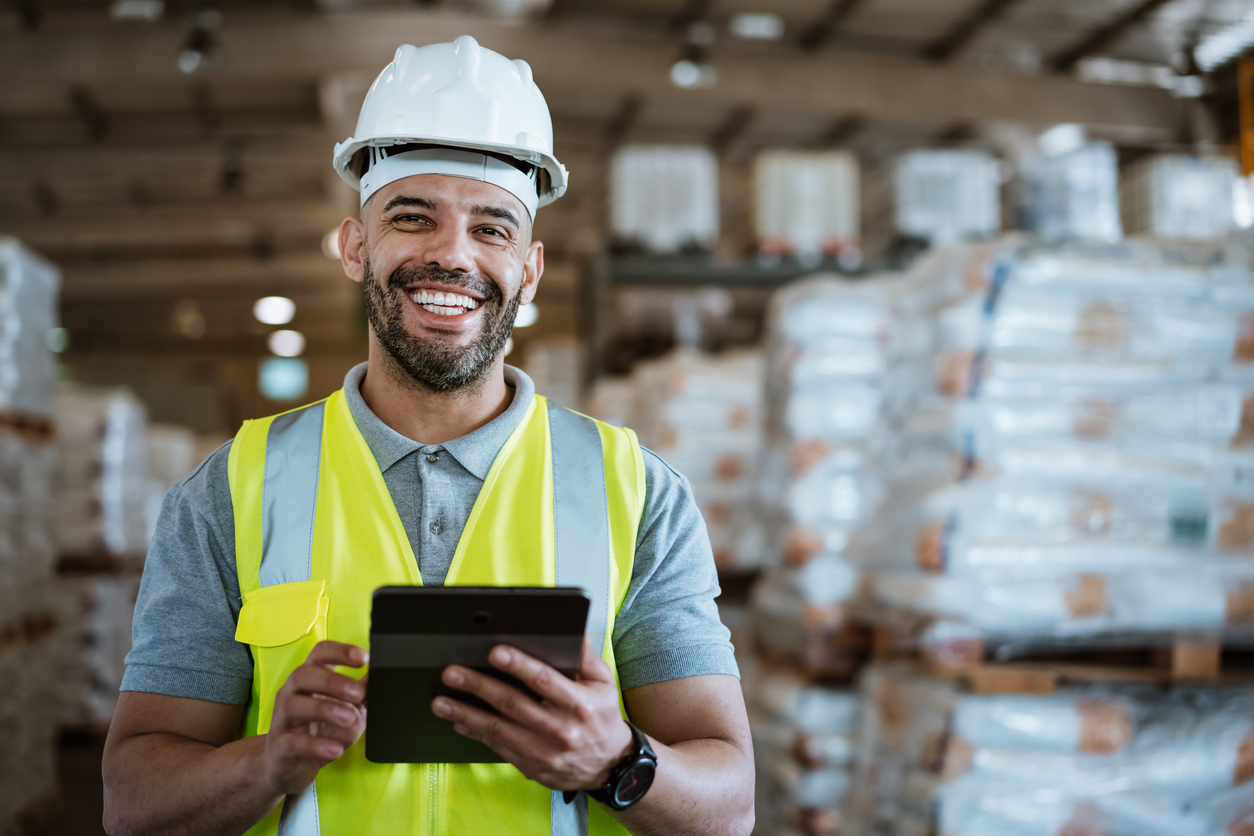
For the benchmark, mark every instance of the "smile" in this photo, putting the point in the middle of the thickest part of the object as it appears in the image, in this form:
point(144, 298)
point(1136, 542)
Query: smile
point(445, 304)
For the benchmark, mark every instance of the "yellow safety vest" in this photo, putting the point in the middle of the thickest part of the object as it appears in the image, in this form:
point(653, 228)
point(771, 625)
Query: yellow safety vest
point(316, 533)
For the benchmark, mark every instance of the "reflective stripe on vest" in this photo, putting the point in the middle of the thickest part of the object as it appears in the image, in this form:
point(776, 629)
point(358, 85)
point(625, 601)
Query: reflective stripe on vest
point(581, 528)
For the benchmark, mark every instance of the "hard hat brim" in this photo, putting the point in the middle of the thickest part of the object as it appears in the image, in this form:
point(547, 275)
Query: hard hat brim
point(557, 176)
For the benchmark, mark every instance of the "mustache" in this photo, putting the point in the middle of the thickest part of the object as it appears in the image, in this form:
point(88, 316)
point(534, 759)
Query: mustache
point(403, 277)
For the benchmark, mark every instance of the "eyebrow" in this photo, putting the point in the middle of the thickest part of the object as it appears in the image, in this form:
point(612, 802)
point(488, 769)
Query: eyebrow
point(407, 200)
point(498, 212)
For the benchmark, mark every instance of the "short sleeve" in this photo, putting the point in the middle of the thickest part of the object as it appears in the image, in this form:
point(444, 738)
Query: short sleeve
point(183, 635)
point(668, 626)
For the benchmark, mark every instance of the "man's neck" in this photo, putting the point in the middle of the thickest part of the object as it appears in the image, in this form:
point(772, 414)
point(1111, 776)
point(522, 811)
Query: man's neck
point(426, 416)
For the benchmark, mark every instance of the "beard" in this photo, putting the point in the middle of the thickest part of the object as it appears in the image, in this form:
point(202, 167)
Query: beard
point(435, 363)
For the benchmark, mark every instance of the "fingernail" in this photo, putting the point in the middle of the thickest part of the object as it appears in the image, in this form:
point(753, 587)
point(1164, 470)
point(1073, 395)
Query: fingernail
point(344, 715)
point(503, 656)
point(453, 677)
point(442, 707)
point(460, 729)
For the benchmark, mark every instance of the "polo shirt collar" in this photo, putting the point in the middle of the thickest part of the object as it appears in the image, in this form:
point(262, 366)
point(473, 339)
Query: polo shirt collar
point(474, 451)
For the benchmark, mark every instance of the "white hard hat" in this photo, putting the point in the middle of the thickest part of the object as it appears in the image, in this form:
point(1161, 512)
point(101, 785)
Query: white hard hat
point(454, 96)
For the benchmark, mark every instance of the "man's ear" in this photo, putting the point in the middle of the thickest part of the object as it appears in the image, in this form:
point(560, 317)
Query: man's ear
point(533, 267)
point(352, 244)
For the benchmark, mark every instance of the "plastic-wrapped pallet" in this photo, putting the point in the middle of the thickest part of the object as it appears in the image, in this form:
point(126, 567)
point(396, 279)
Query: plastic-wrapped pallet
point(947, 196)
point(1075, 193)
point(102, 485)
point(28, 298)
point(96, 611)
point(702, 414)
point(1090, 415)
point(664, 198)
point(803, 749)
point(28, 312)
point(1179, 197)
point(171, 454)
point(1125, 761)
point(807, 203)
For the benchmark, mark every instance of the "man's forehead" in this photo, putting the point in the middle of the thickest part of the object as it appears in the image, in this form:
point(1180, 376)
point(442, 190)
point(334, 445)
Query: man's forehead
point(446, 191)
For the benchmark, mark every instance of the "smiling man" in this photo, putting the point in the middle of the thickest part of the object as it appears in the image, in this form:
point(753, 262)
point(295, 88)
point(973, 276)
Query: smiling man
point(243, 707)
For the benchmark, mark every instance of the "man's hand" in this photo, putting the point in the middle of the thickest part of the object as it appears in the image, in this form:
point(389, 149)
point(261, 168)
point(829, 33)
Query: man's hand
point(318, 714)
point(568, 741)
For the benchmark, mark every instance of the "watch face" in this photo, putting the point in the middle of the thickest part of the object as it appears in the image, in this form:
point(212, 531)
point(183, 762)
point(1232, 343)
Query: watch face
point(635, 782)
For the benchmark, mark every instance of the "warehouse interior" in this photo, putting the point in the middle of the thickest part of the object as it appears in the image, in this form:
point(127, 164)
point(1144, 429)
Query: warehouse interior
point(945, 309)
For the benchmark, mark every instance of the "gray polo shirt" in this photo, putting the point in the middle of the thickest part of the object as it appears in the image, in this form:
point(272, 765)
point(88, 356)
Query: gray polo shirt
point(189, 600)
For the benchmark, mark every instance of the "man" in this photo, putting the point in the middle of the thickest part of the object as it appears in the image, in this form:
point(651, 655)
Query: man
point(243, 706)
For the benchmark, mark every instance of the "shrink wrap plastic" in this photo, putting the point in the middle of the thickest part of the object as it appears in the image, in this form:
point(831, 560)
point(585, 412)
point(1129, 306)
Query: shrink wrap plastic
point(702, 414)
point(664, 198)
point(1083, 761)
point(803, 748)
point(1076, 454)
point(28, 311)
point(1179, 197)
point(28, 298)
point(102, 485)
point(95, 612)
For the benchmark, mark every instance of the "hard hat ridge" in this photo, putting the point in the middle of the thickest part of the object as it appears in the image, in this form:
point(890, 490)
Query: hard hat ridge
point(461, 96)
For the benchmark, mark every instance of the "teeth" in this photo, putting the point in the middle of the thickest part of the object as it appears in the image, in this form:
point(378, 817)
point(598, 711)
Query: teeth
point(448, 304)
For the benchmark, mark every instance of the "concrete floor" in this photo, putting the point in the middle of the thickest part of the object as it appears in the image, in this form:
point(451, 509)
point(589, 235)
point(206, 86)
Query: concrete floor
point(82, 791)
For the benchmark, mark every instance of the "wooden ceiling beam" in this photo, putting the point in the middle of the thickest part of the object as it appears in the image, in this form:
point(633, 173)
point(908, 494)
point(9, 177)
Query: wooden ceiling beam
point(965, 30)
point(827, 25)
point(611, 61)
point(1092, 44)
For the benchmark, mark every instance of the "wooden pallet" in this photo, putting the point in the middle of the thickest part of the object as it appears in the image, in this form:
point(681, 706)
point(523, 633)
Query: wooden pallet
point(27, 630)
point(33, 428)
point(1185, 659)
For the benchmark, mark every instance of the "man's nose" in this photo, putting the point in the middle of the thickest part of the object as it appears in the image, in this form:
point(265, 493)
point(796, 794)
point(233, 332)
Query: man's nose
point(449, 248)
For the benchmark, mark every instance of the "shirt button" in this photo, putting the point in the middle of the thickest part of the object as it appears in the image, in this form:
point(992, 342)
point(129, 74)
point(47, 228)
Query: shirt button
point(435, 527)
point(432, 458)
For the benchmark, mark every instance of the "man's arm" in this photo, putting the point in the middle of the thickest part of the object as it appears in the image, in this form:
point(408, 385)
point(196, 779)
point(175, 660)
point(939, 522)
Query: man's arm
point(172, 765)
point(574, 736)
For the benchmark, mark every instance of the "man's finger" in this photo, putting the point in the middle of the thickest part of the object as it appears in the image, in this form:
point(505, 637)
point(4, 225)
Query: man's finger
point(295, 746)
point(501, 734)
point(547, 681)
point(504, 698)
point(331, 653)
point(300, 710)
point(591, 666)
point(315, 679)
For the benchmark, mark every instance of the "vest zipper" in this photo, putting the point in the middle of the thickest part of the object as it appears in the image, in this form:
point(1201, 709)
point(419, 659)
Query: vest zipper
point(433, 788)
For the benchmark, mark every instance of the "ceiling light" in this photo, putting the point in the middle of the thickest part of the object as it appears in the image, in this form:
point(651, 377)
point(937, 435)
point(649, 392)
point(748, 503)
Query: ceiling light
point(283, 378)
point(757, 26)
point(331, 244)
point(689, 74)
point(188, 319)
point(1062, 138)
point(527, 315)
point(286, 343)
point(1220, 47)
point(146, 10)
point(274, 310)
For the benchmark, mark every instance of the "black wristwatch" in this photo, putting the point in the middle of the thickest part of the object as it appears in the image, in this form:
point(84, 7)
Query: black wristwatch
point(630, 779)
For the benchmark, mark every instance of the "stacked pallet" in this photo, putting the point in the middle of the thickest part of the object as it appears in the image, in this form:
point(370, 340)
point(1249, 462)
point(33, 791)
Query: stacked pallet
point(838, 352)
point(104, 493)
point(28, 294)
point(1073, 504)
point(1084, 760)
point(702, 414)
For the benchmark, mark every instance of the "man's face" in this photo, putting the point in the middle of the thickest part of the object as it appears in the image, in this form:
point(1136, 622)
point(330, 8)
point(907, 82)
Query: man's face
point(445, 263)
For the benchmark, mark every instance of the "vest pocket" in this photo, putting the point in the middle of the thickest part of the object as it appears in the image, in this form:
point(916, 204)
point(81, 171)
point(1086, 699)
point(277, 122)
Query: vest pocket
point(281, 624)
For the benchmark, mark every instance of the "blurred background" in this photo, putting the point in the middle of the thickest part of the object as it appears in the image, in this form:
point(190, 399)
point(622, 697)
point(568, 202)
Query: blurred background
point(944, 307)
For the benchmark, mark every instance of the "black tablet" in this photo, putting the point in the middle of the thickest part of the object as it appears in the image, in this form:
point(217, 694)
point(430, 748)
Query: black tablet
point(416, 632)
